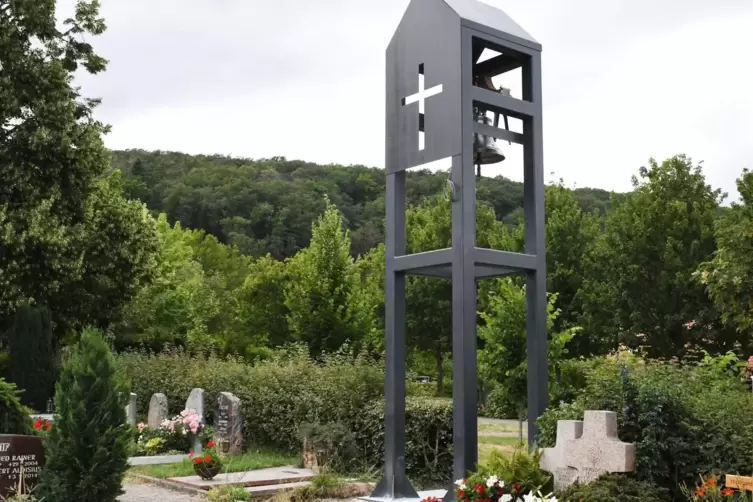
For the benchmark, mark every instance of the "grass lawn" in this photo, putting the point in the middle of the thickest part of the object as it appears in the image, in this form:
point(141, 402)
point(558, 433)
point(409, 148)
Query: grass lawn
point(496, 440)
point(482, 428)
point(246, 462)
point(488, 444)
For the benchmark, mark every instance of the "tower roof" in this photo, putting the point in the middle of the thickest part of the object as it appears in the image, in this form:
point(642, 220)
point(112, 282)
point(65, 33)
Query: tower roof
point(478, 15)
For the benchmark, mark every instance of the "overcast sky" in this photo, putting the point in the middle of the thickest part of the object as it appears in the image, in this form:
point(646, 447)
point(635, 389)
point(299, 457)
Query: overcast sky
point(624, 80)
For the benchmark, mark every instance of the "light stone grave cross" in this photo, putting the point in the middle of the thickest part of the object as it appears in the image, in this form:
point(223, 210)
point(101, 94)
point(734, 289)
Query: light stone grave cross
point(587, 449)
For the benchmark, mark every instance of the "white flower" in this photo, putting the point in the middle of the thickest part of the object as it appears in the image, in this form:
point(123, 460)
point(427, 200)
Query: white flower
point(493, 480)
point(553, 499)
point(506, 498)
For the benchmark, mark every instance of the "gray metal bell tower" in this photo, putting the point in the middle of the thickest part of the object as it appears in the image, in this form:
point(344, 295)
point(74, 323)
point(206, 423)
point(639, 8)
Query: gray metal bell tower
point(435, 87)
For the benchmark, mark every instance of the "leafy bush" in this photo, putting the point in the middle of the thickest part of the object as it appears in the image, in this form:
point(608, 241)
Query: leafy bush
point(683, 420)
point(32, 361)
point(87, 447)
point(14, 417)
point(612, 487)
point(428, 437)
point(522, 467)
point(228, 493)
point(281, 394)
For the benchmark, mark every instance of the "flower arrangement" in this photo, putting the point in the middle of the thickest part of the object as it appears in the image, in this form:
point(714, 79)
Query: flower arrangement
point(42, 427)
point(710, 490)
point(173, 434)
point(480, 488)
point(207, 464)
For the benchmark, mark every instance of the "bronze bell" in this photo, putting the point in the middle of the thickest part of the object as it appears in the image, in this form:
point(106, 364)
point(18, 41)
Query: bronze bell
point(485, 148)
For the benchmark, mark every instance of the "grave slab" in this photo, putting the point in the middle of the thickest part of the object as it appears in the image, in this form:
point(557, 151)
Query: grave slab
point(259, 477)
point(157, 459)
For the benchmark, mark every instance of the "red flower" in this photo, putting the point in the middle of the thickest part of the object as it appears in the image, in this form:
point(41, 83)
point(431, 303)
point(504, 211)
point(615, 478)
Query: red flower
point(207, 459)
point(190, 454)
point(480, 489)
point(461, 494)
point(197, 460)
point(210, 444)
point(38, 424)
point(47, 426)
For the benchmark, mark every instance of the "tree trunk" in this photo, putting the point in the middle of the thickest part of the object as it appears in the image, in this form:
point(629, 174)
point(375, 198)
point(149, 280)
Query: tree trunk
point(440, 370)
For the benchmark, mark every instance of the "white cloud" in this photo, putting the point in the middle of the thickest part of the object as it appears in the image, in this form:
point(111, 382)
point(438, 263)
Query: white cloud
point(623, 81)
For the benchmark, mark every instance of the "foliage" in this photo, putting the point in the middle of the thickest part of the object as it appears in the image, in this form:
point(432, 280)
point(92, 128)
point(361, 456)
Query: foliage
point(267, 206)
point(207, 463)
point(612, 487)
point(69, 241)
point(502, 360)
point(683, 419)
point(428, 437)
point(325, 307)
point(281, 394)
point(172, 434)
point(14, 417)
point(87, 448)
point(727, 274)
point(334, 444)
point(709, 489)
point(228, 493)
point(42, 427)
point(658, 236)
point(486, 487)
point(521, 468)
point(32, 359)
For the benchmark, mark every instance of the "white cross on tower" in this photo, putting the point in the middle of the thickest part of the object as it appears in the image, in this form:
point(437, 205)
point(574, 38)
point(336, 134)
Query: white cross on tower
point(421, 96)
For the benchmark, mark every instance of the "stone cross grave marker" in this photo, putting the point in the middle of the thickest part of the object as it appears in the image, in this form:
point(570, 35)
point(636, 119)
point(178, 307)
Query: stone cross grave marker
point(130, 410)
point(19, 454)
point(587, 449)
point(157, 410)
point(195, 401)
point(228, 424)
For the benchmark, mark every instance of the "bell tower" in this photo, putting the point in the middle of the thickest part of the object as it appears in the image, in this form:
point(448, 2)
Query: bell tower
point(437, 98)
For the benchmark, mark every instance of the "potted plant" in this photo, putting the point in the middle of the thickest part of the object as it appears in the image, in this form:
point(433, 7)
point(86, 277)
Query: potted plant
point(208, 464)
point(482, 488)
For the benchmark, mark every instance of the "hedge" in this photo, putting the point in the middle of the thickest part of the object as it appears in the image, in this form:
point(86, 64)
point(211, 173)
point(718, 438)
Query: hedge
point(280, 395)
point(684, 420)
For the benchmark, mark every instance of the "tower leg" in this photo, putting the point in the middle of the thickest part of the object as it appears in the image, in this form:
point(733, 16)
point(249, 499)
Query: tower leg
point(395, 483)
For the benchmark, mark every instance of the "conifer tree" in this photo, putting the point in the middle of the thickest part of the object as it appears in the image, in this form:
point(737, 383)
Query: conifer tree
point(87, 448)
point(14, 418)
point(31, 355)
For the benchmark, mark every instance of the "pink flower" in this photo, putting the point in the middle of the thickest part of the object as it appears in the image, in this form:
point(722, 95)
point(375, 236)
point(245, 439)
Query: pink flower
point(141, 427)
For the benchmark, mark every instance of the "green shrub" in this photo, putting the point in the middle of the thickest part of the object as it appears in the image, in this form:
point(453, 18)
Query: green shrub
point(428, 437)
point(612, 487)
point(87, 447)
point(14, 417)
point(228, 493)
point(522, 467)
point(683, 420)
point(280, 395)
point(32, 361)
point(334, 443)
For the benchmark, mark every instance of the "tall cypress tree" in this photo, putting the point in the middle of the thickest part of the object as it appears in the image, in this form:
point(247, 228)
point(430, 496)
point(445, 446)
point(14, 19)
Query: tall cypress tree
point(31, 356)
point(87, 448)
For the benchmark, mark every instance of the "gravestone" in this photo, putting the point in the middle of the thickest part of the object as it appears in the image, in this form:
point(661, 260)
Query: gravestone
point(157, 410)
point(19, 454)
point(228, 424)
point(195, 401)
point(587, 449)
point(131, 410)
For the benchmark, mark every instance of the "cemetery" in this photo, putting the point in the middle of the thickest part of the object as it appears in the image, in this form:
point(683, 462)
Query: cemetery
point(562, 373)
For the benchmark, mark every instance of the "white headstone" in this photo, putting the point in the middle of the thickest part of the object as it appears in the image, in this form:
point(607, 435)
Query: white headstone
point(157, 410)
point(586, 450)
point(131, 410)
point(195, 402)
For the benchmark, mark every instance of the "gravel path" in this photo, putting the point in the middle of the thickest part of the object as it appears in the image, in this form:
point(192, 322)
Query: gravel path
point(143, 492)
